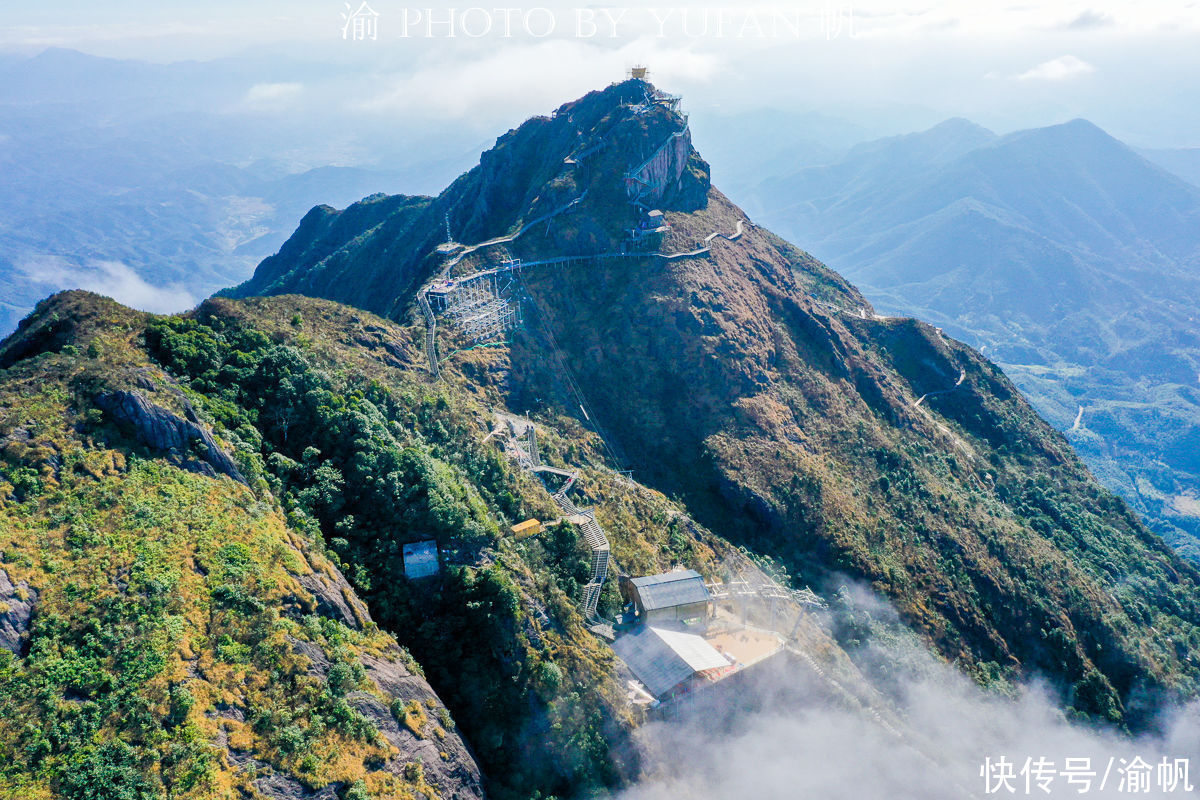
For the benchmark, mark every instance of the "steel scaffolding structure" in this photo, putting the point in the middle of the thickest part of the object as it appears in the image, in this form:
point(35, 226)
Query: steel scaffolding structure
point(478, 306)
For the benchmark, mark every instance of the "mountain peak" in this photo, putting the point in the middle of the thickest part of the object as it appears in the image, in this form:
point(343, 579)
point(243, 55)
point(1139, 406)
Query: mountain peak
point(610, 157)
point(962, 125)
point(938, 145)
point(1072, 134)
point(730, 369)
point(1079, 124)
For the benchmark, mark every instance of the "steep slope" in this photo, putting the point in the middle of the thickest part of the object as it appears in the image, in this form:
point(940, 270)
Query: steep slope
point(550, 166)
point(179, 499)
point(167, 630)
point(1067, 256)
point(1183, 162)
point(738, 373)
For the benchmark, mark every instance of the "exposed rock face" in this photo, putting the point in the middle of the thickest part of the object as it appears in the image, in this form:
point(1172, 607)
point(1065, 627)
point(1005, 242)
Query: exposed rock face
point(284, 787)
point(185, 441)
point(456, 774)
point(661, 177)
point(318, 662)
point(568, 169)
point(18, 602)
point(335, 599)
point(743, 376)
point(448, 765)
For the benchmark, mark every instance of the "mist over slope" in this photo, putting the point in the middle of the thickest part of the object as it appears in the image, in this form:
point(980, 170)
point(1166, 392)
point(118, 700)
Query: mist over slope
point(203, 518)
point(663, 332)
point(1063, 254)
point(780, 738)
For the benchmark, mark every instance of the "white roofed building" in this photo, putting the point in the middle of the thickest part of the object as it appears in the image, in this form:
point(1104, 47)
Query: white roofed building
point(670, 597)
point(670, 662)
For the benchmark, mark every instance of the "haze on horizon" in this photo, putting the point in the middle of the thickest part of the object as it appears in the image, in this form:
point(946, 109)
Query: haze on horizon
point(887, 68)
point(224, 121)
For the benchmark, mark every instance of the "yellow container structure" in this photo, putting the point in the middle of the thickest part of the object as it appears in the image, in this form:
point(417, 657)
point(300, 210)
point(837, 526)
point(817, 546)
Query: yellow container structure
point(530, 527)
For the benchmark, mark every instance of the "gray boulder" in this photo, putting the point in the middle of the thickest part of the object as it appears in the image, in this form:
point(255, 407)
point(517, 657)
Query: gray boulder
point(185, 441)
point(18, 613)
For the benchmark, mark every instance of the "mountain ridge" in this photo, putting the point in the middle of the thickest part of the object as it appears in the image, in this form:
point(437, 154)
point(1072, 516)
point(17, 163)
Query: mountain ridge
point(804, 438)
point(707, 360)
point(1048, 247)
point(278, 383)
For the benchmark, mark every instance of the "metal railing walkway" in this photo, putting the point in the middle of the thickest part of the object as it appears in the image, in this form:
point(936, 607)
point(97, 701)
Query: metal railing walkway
point(430, 336)
point(593, 533)
point(511, 237)
point(727, 237)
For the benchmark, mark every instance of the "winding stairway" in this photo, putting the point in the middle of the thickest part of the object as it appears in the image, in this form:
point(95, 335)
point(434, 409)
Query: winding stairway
point(593, 534)
point(430, 335)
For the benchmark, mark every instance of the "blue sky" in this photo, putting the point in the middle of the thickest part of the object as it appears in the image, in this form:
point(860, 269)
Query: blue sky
point(1129, 67)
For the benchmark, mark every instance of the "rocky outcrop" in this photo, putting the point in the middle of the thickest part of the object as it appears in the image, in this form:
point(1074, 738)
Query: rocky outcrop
point(448, 765)
point(17, 603)
point(446, 762)
point(335, 599)
point(675, 174)
point(569, 169)
point(185, 442)
point(284, 787)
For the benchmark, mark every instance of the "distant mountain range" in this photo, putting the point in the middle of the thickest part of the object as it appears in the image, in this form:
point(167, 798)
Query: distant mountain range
point(1065, 255)
point(159, 184)
point(1062, 253)
point(1183, 161)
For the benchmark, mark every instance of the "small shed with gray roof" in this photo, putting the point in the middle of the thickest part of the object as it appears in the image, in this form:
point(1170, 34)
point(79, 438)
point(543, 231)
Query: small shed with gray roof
point(670, 597)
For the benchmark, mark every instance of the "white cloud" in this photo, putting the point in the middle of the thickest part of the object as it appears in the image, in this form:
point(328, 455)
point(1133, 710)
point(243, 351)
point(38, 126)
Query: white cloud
point(1087, 20)
point(110, 278)
point(271, 96)
point(787, 733)
point(1063, 68)
point(529, 78)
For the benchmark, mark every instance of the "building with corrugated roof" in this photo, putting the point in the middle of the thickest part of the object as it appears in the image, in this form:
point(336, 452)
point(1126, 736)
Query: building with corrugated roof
point(670, 597)
point(530, 527)
point(670, 662)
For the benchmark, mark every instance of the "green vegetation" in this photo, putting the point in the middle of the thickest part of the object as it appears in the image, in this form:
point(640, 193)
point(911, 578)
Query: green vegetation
point(164, 601)
point(373, 468)
point(792, 430)
point(193, 632)
point(177, 594)
point(373, 462)
point(164, 598)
